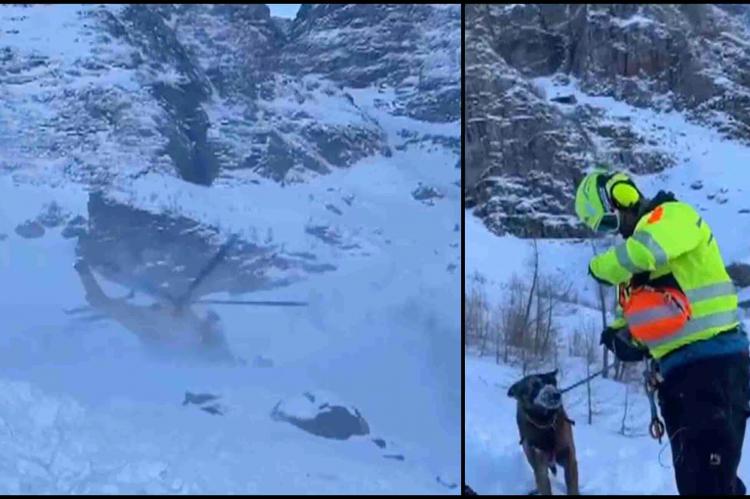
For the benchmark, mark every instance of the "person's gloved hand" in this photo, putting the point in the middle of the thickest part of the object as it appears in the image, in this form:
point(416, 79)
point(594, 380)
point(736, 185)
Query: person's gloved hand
point(618, 342)
point(600, 281)
point(607, 338)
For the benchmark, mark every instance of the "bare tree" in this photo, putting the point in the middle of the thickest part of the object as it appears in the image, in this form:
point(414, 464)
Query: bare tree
point(590, 359)
point(625, 410)
point(476, 314)
point(603, 308)
point(534, 278)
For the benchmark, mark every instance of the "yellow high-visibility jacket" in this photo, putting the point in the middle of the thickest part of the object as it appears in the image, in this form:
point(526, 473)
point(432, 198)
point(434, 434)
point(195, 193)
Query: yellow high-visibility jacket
point(673, 239)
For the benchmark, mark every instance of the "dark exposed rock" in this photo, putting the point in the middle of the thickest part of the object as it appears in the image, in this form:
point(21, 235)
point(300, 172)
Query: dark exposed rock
point(198, 398)
point(215, 410)
point(426, 194)
point(333, 209)
point(204, 88)
point(330, 235)
point(76, 227)
point(401, 43)
point(314, 414)
point(565, 99)
point(30, 230)
point(740, 274)
point(52, 215)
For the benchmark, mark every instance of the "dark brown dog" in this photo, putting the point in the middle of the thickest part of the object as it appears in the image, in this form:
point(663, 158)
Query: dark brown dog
point(545, 429)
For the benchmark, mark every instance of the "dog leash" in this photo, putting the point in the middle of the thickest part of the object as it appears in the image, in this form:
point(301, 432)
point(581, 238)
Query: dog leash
point(652, 380)
point(586, 379)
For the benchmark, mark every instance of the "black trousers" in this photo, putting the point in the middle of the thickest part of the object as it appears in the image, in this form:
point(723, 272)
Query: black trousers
point(705, 407)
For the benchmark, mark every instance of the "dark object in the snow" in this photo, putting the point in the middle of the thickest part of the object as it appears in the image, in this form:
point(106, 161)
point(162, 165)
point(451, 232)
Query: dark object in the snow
point(396, 457)
point(697, 185)
point(468, 491)
point(198, 398)
point(213, 409)
point(75, 228)
point(52, 216)
point(333, 208)
point(447, 485)
point(379, 442)
point(30, 230)
point(740, 274)
point(546, 431)
point(565, 99)
point(426, 194)
point(330, 421)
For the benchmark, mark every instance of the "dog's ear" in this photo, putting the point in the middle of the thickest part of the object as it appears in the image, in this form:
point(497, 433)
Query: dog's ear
point(552, 376)
point(515, 390)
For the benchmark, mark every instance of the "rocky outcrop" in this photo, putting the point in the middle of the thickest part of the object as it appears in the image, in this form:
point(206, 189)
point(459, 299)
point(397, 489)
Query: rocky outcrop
point(197, 90)
point(408, 47)
point(317, 414)
point(525, 149)
point(30, 230)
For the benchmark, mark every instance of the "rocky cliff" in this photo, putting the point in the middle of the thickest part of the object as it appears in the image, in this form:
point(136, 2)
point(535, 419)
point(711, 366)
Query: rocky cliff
point(529, 138)
point(201, 90)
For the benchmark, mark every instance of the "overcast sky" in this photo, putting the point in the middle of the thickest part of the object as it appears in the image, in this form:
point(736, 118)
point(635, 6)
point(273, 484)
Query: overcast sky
point(284, 9)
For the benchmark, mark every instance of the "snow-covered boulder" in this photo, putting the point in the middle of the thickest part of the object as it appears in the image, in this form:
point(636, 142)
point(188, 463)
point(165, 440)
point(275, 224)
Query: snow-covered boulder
point(30, 230)
point(52, 215)
point(320, 414)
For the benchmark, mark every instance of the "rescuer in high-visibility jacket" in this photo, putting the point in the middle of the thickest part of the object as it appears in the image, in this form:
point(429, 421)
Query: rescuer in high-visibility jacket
point(669, 248)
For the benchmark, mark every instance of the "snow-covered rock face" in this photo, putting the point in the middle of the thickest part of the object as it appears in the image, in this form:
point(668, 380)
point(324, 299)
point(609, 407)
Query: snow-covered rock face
point(123, 93)
point(529, 138)
point(200, 90)
point(410, 47)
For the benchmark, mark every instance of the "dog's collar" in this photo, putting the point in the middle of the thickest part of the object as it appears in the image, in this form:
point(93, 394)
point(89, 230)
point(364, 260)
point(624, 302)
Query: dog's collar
point(542, 426)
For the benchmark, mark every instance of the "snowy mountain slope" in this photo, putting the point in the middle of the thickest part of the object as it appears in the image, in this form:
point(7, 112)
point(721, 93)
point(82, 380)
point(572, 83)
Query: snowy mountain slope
point(368, 336)
point(197, 90)
point(373, 248)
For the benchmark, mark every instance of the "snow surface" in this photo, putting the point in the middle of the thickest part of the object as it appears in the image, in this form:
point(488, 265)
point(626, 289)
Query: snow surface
point(84, 410)
point(609, 463)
